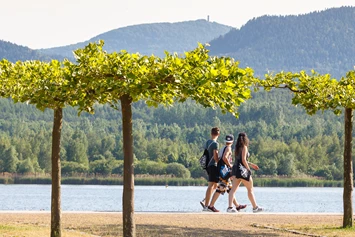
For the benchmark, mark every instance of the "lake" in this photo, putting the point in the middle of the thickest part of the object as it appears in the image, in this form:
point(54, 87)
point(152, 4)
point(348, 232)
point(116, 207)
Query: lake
point(167, 199)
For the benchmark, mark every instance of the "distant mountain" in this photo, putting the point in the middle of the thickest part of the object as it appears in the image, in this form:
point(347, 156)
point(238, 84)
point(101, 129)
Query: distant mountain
point(14, 52)
point(323, 41)
point(154, 38)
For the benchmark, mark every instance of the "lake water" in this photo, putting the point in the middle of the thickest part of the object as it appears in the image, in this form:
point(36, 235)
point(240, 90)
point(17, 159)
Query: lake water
point(167, 199)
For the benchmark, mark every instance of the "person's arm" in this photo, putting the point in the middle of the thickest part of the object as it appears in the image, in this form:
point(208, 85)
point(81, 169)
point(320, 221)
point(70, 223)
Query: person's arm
point(226, 154)
point(215, 151)
point(215, 155)
point(253, 166)
point(244, 157)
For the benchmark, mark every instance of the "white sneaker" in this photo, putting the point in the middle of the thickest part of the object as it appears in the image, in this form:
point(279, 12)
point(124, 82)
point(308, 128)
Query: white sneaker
point(258, 209)
point(231, 210)
point(205, 209)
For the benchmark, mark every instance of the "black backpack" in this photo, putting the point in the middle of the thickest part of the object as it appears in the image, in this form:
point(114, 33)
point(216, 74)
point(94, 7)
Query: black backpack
point(205, 158)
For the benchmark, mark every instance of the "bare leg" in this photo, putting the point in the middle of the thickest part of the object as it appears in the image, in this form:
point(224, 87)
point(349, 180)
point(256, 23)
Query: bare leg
point(235, 185)
point(235, 202)
point(249, 186)
point(214, 198)
point(211, 187)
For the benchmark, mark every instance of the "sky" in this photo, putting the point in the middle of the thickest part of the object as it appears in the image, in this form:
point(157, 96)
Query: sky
point(48, 23)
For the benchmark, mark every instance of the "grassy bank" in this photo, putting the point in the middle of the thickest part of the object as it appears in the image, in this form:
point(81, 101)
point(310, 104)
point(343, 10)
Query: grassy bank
point(161, 181)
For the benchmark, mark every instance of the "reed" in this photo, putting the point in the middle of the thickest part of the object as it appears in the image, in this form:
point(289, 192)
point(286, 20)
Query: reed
point(163, 180)
point(295, 182)
point(6, 180)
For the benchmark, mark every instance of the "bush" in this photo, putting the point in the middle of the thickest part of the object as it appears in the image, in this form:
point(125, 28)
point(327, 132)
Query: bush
point(118, 167)
point(25, 166)
point(71, 167)
point(178, 170)
point(101, 167)
point(150, 167)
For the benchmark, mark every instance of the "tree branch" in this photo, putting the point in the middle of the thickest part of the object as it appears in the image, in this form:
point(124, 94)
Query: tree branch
point(287, 87)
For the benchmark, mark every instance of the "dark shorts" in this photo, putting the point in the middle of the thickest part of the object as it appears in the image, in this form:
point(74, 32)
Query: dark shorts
point(212, 174)
point(240, 172)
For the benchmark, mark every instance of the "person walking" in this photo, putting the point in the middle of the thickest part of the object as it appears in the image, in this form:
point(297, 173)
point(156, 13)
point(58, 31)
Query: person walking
point(212, 147)
point(241, 172)
point(224, 169)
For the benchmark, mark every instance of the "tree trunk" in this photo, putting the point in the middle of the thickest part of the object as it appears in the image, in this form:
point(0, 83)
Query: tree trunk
point(348, 170)
point(56, 175)
point(129, 226)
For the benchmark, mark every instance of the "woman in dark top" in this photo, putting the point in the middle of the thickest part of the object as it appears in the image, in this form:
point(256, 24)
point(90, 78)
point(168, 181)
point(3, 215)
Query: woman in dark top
point(241, 172)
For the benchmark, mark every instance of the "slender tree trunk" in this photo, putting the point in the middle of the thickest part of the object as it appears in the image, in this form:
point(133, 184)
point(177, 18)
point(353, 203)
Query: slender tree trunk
point(348, 170)
point(56, 175)
point(129, 226)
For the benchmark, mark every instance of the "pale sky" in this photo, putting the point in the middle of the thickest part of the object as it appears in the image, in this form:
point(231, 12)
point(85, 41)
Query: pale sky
point(48, 23)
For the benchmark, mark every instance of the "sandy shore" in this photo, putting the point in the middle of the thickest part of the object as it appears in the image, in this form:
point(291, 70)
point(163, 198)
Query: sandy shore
point(178, 224)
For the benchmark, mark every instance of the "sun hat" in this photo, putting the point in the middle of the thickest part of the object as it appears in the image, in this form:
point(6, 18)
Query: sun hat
point(229, 138)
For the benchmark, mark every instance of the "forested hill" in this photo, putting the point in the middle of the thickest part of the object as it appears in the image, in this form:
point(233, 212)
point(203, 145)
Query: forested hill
point(284, 140)
point(14, 52)
point(323, 41)
point(154, 38)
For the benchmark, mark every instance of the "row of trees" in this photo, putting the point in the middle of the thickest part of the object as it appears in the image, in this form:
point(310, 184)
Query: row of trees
point(99, 77)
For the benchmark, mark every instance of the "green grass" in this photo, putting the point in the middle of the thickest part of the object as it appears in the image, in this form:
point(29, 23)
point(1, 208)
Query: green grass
point(23, 230)
point(38, 231)
point(327, 231)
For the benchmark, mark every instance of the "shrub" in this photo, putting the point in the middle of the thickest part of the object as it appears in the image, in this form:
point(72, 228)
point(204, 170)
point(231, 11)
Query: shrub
point(178, 170)
point(71, 167)
point(150, 167)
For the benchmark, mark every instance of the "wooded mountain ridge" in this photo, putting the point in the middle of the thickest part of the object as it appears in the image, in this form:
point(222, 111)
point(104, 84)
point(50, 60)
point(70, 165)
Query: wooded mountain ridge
point(152, 38)
point(14, 52)
point(322, 40)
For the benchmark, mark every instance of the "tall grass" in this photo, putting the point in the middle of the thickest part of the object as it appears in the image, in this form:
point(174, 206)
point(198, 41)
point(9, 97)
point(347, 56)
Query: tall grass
point(147, 180)
point(6, 180)
point(295, 182)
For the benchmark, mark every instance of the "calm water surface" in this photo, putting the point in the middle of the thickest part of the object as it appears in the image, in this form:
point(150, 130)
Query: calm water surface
point(166, 199)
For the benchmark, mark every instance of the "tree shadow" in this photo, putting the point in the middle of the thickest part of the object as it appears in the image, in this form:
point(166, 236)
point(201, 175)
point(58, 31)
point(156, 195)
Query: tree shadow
point(168, 231)
point(111, 230)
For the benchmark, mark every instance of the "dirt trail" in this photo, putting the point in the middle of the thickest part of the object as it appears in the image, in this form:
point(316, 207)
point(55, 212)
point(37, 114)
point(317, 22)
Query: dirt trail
point(183, 224)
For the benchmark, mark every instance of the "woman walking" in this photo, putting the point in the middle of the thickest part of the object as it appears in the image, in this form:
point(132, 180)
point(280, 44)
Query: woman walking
point(241, 173)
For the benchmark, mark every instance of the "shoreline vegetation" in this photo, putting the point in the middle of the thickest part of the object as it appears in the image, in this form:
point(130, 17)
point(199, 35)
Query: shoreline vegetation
point(160, 180)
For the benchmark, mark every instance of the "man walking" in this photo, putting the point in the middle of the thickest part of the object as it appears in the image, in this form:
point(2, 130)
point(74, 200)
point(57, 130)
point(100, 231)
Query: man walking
point(212, 147)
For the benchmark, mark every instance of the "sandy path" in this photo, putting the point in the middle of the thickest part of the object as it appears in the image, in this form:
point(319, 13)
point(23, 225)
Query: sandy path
point(181, 224)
